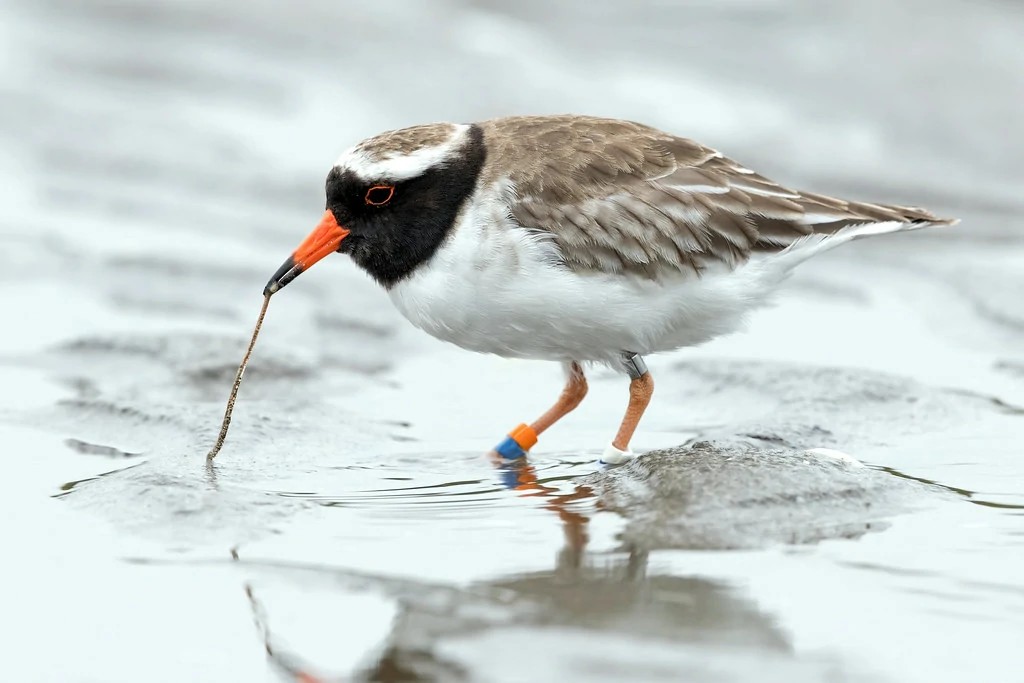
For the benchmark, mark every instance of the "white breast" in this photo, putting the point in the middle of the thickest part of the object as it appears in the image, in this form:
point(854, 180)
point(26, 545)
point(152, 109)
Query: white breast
point(494, 287)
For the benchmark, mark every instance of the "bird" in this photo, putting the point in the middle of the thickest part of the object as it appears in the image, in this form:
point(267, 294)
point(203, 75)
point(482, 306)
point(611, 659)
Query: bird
point(574, 239)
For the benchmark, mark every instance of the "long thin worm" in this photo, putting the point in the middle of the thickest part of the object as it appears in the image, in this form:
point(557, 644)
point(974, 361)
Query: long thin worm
point(238, 380)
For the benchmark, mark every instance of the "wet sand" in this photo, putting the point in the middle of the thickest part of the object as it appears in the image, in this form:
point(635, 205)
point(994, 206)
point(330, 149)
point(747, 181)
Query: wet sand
point(165, 157)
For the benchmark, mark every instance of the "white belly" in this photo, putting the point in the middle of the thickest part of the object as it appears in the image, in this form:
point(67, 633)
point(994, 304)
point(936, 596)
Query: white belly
point(495, 289)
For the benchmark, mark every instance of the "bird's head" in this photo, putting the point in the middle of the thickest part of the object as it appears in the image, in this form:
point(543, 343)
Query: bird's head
point(391, 201)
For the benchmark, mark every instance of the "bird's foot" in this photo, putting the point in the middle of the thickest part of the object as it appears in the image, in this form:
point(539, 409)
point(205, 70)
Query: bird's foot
point(518, 443)
point(616, 456)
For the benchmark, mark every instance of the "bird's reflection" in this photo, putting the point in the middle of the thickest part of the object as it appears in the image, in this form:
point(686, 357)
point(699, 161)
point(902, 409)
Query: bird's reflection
point(521, 476)
point(609, 592)
point(288, 665)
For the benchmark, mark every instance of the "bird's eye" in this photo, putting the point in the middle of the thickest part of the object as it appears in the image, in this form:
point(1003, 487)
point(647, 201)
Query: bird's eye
point(379, 195)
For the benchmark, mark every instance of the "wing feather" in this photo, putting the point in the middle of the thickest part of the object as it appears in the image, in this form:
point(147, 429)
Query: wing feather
point(620, 197)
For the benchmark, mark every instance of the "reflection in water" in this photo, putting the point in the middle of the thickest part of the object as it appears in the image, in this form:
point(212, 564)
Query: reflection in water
point(610, 593)
point(210, 470)
point(613, 596)
point(393, 665)
point(521, 475)
point(286, 663)
point(614, 593)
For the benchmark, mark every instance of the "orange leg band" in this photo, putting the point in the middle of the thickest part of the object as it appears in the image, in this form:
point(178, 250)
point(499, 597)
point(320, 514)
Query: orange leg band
point(524, 437)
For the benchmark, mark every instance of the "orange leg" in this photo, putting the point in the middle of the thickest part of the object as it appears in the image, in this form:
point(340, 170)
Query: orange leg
point(573, 394)
point(522, 438)
point(640, 391)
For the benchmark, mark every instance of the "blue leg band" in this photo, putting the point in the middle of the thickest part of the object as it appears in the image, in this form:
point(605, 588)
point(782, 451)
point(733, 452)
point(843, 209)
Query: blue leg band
point(509, 449)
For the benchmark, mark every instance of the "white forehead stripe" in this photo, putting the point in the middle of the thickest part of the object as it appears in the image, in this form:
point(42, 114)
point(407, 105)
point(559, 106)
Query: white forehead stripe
point(401, 166)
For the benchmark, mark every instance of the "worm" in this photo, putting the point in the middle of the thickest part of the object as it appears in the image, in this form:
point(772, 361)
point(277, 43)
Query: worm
point(238, 380)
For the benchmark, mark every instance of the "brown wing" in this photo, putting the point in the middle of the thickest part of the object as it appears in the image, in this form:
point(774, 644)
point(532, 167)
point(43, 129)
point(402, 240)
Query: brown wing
point(618, 196)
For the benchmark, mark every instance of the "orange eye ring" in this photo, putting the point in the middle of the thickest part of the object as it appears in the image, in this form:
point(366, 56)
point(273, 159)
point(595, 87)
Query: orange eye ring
point(376, 196)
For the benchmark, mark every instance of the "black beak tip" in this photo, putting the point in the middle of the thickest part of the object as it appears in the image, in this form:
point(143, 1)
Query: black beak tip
point(288, 271)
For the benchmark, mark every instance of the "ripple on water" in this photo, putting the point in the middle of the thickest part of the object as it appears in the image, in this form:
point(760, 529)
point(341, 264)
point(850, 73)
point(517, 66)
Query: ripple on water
point(429, 485)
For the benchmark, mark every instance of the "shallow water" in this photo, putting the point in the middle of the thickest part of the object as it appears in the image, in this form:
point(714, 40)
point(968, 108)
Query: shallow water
point(163, 159)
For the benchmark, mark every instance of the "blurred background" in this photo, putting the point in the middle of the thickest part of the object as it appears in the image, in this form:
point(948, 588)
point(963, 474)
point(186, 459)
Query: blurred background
point(161, 158)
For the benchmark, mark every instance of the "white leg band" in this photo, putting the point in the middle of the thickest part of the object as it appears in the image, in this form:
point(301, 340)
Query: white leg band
point(613, 456)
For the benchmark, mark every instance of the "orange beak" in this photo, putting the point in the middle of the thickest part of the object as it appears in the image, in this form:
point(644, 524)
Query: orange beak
point(322, 241)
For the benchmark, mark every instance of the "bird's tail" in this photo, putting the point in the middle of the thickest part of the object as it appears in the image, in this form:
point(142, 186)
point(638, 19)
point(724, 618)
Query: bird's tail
point(828, 235)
